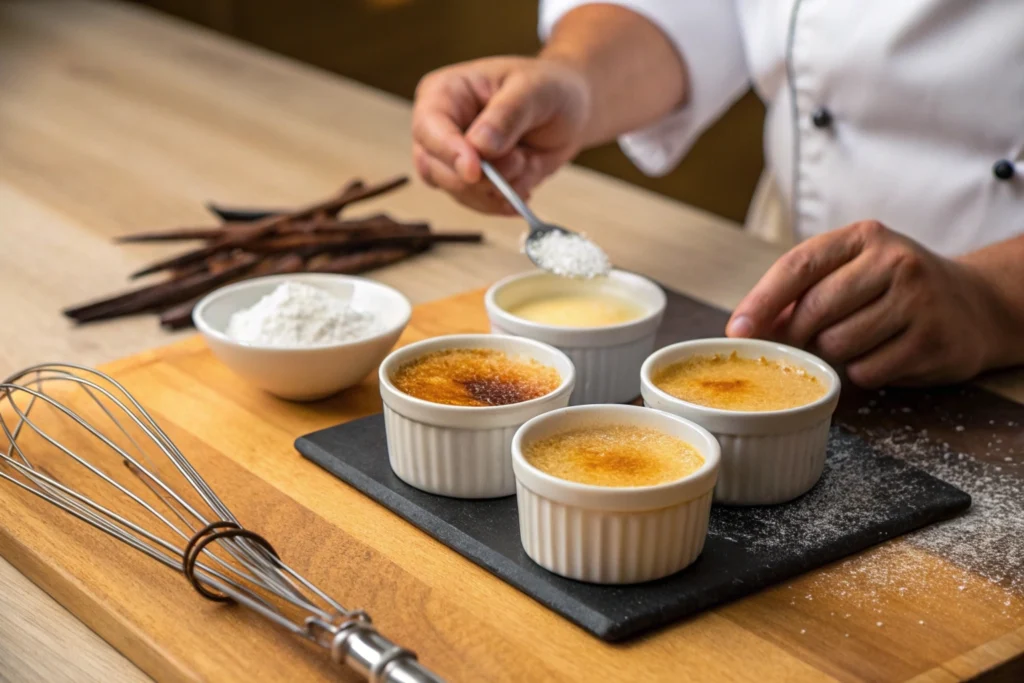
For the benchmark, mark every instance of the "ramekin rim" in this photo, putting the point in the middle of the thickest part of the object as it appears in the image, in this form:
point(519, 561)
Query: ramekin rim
point(491, 305)
point(818, 404)
point(568, 379)
point(710, 463)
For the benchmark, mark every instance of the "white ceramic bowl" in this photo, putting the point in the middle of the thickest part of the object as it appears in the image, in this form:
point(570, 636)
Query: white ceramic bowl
point(310, 372)
point(767, 456)
point(463, 451)
point(604, 534)
point(607, 359)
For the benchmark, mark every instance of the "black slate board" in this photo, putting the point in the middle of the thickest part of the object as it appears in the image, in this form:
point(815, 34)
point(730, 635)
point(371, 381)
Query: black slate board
point(862, 499)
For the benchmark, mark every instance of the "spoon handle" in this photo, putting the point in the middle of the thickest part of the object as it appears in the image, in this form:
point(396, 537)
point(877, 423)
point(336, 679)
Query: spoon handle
point(513, 198)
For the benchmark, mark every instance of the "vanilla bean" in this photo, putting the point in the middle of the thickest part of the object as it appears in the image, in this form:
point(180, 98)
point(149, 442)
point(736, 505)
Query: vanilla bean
point(163, 294)
point(180, 315)
point(378, 243)
point(181, 234)
point(351, 194)
point(179, 276)
point(312, 226)
point(355, 234)
point(360, 262)
point(227, 215)
point(240, 236)
point(260, 242)
point(236, 215)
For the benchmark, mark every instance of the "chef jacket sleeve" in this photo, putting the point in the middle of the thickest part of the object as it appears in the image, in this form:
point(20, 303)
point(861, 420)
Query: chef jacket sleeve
point(707, 33)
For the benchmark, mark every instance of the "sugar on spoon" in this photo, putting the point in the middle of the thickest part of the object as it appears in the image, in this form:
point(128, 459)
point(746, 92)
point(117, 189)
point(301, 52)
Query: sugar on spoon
point(552, 247)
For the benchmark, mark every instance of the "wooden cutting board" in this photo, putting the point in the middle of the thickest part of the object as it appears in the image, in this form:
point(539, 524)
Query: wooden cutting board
point(466, 624)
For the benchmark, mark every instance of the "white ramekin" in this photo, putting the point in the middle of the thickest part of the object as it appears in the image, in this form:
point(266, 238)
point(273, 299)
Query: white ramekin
point(607, 359)
point(767, 456)
point(604, 534)
point(463, 451)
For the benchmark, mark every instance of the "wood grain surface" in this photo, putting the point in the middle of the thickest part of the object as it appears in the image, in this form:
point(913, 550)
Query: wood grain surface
point(467, 624)
point(114, 119)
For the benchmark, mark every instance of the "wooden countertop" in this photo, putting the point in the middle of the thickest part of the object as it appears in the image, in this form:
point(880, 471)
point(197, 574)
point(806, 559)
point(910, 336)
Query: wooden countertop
point(113, 118)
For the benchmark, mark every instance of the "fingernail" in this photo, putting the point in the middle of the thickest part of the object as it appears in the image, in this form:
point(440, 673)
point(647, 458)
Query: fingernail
point(740, 327)
point(462, 167)
point(486, 138)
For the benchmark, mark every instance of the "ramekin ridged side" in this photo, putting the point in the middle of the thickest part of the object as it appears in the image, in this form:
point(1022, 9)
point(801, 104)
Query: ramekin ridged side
point(607, 359)
point(611, 547)
point(460, 463)
point(463, 451)
point(774, 468)
point(613, 535)
point(768, 457)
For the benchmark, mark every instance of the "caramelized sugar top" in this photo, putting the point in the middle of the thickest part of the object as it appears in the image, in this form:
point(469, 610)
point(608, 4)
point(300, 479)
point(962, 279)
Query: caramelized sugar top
point(735, 383)
point(579, 310)
point(614, 455)
point(475, 377)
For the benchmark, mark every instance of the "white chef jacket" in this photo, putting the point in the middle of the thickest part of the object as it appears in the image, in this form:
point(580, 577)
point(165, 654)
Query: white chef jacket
point(908, 112)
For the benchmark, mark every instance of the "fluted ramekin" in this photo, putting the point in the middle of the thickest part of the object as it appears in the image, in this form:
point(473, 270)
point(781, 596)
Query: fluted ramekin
point(463, 451)
point(613, 535)
point(608, 358)
point(769, 456)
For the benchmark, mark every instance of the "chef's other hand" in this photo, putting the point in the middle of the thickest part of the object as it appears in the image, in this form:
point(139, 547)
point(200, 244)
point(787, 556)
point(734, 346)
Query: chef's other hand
point(892, 311)
point(525, 115)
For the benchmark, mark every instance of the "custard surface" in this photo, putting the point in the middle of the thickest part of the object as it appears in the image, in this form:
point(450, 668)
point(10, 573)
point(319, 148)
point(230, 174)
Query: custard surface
point(579, 310)
point(614, 456)
point(475, 377)
point(736, 383)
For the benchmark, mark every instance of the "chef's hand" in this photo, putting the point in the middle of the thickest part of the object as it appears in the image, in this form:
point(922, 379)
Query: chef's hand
point(889, 309)
point(525, 115)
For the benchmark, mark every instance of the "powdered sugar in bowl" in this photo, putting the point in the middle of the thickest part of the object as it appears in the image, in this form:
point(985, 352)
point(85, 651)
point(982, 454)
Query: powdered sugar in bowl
point(305, 336)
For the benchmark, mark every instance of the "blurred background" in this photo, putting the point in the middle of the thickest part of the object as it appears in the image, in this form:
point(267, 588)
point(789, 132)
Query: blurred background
point(389, 44)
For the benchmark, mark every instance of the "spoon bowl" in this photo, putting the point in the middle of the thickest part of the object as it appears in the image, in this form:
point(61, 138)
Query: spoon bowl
point(540, 231)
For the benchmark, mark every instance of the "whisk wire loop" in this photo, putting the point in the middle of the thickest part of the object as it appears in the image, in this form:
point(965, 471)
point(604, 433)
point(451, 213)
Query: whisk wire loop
point(119, 472)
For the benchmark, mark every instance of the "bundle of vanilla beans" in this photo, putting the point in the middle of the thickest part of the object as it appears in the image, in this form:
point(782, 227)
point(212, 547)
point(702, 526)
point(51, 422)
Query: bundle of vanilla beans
point(248, 244)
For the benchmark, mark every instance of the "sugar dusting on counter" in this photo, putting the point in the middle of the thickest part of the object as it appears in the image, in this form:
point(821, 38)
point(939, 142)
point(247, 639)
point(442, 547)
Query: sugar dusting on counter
point(985, 544)
point(974, 561)
point(568, 255)
point(296, 314)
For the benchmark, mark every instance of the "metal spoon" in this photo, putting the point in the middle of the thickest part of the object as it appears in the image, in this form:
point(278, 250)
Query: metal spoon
point(538, 228)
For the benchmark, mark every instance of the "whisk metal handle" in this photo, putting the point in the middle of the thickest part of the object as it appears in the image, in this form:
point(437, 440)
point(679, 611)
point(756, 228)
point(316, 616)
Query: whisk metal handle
point(360, 647)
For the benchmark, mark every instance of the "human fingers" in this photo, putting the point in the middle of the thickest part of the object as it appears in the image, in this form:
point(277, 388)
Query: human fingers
point(445, 104)
point(890, 363)
point(508, 116)
point(789, 277)
point(476, 196)
point(836, 297)
point(864, 330)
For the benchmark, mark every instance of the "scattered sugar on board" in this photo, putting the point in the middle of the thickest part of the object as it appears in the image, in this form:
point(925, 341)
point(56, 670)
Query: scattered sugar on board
point(568, 255)
point(985, 545)
point(297, 314)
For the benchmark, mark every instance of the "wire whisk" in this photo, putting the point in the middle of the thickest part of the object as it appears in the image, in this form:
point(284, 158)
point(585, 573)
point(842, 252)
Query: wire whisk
point(77, 439)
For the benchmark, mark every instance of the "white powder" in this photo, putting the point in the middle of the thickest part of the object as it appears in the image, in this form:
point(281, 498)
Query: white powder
point(978, 555)
point(976, 558)
point(295, 314)
point(568, 255)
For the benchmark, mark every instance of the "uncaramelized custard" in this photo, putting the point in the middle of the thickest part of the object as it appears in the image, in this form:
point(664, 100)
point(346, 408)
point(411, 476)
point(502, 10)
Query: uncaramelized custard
point(736, 383)
point(614, 455)
point(475, 377)
point(579, 310)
